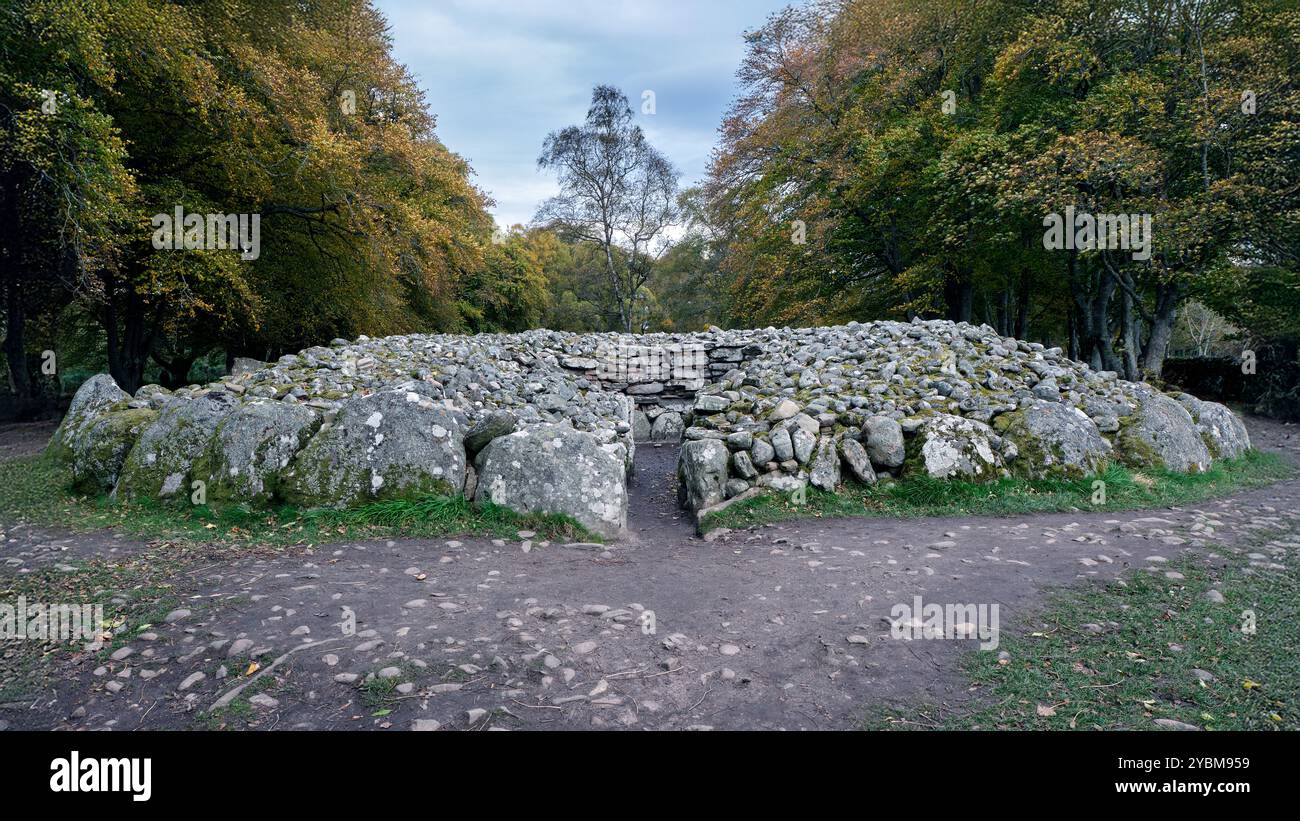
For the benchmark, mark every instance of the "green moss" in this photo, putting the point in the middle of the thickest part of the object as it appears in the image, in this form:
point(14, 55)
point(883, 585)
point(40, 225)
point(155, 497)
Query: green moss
point(1135, 450)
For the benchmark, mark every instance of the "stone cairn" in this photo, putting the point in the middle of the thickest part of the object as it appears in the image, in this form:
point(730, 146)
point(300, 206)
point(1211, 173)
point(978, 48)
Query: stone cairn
point(545, 421)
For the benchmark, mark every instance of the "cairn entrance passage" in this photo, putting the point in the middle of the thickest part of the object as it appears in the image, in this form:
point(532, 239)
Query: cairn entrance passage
point(544, 421)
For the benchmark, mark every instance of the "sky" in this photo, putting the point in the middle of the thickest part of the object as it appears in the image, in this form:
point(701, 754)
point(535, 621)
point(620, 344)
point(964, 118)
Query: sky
point(500, 75)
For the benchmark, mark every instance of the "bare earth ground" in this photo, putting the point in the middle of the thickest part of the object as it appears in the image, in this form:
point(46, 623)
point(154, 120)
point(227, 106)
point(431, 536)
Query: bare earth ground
point(751, 631)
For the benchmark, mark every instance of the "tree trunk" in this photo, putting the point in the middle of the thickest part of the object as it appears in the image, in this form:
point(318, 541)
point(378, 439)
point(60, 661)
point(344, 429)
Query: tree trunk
point(959, 294)
point(1168, 297)
point(1128, 328)
point(15, 348)
point(175, 372)
point(130, 344)
point(1022, 306)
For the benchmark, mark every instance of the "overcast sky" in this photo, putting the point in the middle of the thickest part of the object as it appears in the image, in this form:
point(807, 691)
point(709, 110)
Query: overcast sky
point(502, 74)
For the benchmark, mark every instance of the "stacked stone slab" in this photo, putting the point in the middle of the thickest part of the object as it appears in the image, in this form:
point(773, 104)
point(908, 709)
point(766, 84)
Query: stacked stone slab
point(545, 421)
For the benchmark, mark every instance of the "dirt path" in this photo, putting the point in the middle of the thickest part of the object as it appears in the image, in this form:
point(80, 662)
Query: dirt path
point(750, 631)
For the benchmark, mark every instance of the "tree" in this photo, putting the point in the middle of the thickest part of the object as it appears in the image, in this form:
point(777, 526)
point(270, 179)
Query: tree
point(295, 112)
point(918, 145)
point(617, 192)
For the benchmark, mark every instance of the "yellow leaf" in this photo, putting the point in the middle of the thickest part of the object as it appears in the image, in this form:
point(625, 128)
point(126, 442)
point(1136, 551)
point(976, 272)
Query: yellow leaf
point(1250, 685)
point(252, 668)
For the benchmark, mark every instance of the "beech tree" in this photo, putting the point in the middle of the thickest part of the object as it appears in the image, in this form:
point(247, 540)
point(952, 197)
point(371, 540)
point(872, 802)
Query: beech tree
point(897, 158)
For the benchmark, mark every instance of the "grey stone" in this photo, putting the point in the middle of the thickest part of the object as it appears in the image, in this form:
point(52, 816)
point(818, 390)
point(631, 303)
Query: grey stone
point(825, 471)
point(393, 444)
point(1162, 434)
point(702, 473)
point(883, 438)
point(1054, 439)
point(959, 448)
point(497, 423)
point(556, 469)
point(855, 456)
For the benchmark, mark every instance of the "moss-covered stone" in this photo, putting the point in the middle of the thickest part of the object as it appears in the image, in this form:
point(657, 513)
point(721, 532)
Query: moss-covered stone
point(389, 445)
point(252, 446)
point(1053, 441)
point(160, 465)
point(98, 454)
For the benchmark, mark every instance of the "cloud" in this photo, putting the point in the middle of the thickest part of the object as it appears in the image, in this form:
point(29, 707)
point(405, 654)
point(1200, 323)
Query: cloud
point(501, 74)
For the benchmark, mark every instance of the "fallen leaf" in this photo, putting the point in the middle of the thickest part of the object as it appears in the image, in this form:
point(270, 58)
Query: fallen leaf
point(1045, 711)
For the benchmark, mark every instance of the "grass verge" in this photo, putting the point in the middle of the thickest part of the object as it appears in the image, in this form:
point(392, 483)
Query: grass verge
point(1124, 489)
point(34, 491)
point(1154, 649)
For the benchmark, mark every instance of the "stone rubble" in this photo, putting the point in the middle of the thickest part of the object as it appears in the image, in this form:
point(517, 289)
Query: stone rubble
point(548, 421)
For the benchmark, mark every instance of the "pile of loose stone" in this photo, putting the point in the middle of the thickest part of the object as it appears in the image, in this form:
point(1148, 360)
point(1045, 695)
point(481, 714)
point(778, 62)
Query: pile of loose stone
point(545, 421)
point(497, 418)
point(951, 400)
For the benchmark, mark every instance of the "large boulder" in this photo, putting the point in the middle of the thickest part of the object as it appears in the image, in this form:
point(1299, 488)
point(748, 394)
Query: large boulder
point(668, 427)
point(1054, 440)
point(953, 447)
point(702, 473)
point(96, 396)
point(556, 469)
point(394, 444)
point(825, 470)
point(1222, 430)
point(1162, 434)
point(253, 445)
point(160, 466)
point(855, 456)
point(884, 440)
point(99, 452)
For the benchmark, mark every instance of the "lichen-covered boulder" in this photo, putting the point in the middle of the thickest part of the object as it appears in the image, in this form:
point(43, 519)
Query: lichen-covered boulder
point(1162, 434)
point(398, 443)
point(99, 452)
point(96, 396)
point(497, 423)
point(702, 473)
point(252, 446)
point(883, 438)
point(825, 470)
point(855, 456)
point(556, 469)
point(956, 448)
point(1222, 430)
point(803, 443)
point(160, 466)
point(1054, 440)
point(668, 427)
point(641, 426)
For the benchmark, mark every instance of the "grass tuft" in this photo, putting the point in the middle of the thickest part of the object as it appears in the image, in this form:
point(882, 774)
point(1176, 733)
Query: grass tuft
point(1125, 489)
point(1165, 651)
point(35, 491)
